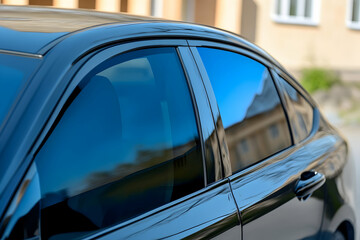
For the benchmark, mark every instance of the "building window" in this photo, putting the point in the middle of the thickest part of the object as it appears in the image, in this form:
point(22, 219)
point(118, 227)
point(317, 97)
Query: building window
point(244, 146)
point(353, 19)
point(305, 12)
point(274, 131)
point(188, 10)
point(157, 8)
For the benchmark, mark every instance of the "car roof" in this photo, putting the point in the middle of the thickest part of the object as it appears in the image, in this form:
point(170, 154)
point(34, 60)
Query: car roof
point(36, 30)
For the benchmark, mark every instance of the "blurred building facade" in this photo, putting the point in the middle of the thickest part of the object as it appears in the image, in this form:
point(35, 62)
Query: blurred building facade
point(299, 33)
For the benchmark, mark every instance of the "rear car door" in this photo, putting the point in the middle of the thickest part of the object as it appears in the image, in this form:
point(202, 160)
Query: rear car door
point(338, 213)
point(268, 169)
point(123, 156)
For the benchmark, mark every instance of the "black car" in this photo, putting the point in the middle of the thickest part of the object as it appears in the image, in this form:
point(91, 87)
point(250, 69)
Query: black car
point(120, 127)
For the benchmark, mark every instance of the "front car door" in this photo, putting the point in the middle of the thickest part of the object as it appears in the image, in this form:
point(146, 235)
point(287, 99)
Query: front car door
point(123, 155)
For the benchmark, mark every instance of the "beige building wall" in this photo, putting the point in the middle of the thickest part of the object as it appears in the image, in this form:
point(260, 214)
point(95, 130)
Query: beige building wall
point(66, 3)
point(330, 44)
point(15, 2)
point(139, 7)
point(228, 15)
point(172, 10)
point(107, 5)
point(205, 12)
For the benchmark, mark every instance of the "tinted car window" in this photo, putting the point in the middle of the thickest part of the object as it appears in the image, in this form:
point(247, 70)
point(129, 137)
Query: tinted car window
point(300, 112)
point(252, 115)
point(126, 144)
point(21, 221)
point(14, 71)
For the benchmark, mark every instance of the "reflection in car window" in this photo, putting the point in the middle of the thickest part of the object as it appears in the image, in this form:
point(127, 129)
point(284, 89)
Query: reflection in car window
point(21, 221)
point(127, 143)
point(300, 112)
point(253, 117)
point(14, 71)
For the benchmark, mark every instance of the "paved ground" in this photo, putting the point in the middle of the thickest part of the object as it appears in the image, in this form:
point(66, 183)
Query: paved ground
point(352, 133)
point(341, 106)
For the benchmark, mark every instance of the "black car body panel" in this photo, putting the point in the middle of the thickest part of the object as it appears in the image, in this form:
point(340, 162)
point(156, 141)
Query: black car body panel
point(259, 201)
point(189, 219)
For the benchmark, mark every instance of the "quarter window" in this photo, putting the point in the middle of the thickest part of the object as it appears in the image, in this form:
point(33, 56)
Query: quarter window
point(300, 112)
point(297, 11)
point(249, 105)
point(126, 143)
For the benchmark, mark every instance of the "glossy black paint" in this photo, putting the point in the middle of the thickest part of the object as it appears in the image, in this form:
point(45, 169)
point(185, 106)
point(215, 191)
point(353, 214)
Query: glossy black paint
point(262, 197)
point(188, 219)
point(274, 195)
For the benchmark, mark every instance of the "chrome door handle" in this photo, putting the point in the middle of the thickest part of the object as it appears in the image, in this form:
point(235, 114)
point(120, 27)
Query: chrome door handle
point(309, 182)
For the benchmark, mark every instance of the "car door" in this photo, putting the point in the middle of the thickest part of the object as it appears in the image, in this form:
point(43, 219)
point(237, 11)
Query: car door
point(131, 151)
point(276, 182)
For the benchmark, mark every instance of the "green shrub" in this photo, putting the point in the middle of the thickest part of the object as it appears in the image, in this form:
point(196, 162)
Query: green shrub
point(318, 78)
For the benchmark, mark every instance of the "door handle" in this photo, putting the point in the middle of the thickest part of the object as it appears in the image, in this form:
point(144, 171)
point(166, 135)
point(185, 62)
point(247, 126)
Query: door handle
point(309, 182)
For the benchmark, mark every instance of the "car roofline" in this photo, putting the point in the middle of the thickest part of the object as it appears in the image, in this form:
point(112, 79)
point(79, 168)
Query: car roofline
point(92, 24)
point(103, 34)
point(125, 27)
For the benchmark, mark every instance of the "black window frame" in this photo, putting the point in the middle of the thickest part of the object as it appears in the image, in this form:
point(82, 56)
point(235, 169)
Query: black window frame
point(247, 52)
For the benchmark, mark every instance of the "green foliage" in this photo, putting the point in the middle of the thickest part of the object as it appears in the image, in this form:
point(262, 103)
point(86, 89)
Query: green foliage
point(318, 78)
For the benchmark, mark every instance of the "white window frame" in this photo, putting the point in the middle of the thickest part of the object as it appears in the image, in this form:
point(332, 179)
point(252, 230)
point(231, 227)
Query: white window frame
point(157, 7)
point(188, 10)
point(351, 24)
point(300, 19)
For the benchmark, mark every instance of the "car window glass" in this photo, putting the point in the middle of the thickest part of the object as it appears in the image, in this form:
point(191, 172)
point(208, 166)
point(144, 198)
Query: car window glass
point(126, 144)
point(21, 220)
point(14, 71)
point(300, 112)
point(252, 115)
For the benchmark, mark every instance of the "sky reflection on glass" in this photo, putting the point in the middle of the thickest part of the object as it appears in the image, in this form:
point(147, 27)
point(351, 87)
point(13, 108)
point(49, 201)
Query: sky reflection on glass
point(253, 118)
point(230, 70)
